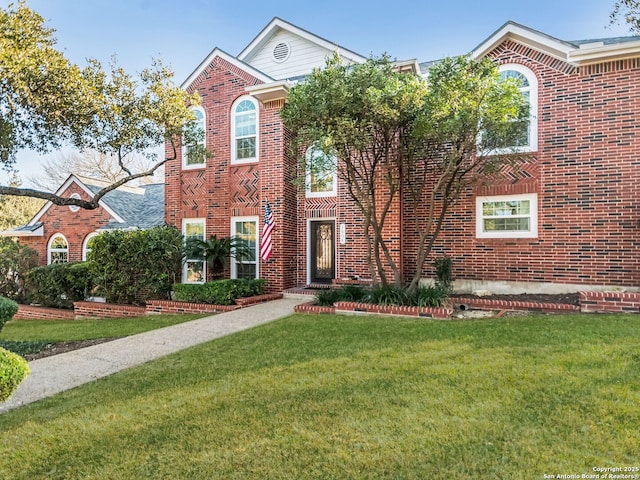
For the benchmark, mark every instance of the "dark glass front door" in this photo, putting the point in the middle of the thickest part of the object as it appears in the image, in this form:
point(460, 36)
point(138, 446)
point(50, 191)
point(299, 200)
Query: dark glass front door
point(323, 258)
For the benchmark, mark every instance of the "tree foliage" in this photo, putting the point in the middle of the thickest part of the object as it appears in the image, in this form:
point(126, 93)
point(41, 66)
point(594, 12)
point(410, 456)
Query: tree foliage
point(629, 12)
point(17, 211)
point(393, 132)
point(15, 261)
point(132, 266)
point(365, 115)
point(46, 101)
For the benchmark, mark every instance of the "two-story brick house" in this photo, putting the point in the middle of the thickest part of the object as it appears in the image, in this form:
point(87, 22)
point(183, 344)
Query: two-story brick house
point(567, 220)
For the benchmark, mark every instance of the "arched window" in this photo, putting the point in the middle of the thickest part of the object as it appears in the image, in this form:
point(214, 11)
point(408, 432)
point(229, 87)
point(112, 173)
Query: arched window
point(58, 249)
point(321, 173)
point(194, 157)
point(244, 130)
point(527, 138)
point(85, 245)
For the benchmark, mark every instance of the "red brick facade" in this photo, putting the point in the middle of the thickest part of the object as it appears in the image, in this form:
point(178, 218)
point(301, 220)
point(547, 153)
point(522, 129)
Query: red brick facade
point(585, 172)
point(74, 226)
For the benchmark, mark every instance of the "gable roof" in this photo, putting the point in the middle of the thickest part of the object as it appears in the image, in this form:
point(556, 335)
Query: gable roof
point(277, 24)
point(129, 207)
point(217, 52)
point(576, 52)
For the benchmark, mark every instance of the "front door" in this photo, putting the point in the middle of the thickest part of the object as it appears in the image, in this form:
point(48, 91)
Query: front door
point(323, 258)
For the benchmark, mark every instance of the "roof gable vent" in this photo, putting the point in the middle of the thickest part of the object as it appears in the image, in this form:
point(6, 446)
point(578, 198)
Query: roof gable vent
point(281, 52)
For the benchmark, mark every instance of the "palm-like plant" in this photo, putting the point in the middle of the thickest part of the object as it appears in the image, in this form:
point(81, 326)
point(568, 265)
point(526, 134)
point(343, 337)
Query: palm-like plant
point(217, 253)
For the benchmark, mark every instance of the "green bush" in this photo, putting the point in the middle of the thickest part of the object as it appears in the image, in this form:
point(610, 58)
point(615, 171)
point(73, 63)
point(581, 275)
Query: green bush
point(444, 275)
point(8, 308)
point(15, 261)
point(133, 266)
point(59, 285)
point(424, 296)
point(219, 292)
point(13, 369)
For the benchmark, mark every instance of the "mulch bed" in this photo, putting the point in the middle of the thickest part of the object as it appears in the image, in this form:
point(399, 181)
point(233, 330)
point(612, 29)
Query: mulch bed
point(62, 347)
point(559, 298)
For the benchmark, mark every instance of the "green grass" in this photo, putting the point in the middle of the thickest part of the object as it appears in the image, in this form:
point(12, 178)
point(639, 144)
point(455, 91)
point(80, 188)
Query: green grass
point(31, 336)
point(352, 397)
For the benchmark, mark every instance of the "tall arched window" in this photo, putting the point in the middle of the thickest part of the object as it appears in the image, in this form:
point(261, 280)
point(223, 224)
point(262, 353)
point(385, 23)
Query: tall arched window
point(528, 135)
point(244, 130)
point(194, 157)
point(321, 173)
point(58, 249)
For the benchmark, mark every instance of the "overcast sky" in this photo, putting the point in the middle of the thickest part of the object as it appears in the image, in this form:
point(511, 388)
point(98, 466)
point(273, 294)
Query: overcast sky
point(182, 33)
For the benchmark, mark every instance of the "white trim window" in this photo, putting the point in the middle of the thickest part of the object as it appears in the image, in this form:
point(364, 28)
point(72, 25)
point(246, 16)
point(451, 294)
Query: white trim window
point(85, 245)
point(57, 249)
point(244, 130)
point(195, 160)
point(321, 173)
point(194, 269)
point(74, 208)
point(528, 138)
point(245, 228)
point(507, 216)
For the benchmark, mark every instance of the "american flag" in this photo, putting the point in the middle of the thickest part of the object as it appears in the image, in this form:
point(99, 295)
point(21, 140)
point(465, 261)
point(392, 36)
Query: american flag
point(265, 243)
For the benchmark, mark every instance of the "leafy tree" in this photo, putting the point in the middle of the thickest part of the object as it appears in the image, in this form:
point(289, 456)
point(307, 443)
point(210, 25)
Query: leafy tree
point(365, 115)
point(46, 101)
point(17, 211)
point(627, 10)
point(393, 133)
point(471, 121)
point(15, 261)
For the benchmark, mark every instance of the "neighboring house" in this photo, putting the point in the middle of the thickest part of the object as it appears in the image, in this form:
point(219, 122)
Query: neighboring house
point(61, 234)
point(569, 219)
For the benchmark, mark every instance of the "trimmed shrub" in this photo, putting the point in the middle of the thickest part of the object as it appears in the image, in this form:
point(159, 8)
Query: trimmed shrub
point(326, 298)
point(219, 292)
point(345, 293)
point(13, 369)
point(133, 266)
point(428, 296)
point(431, 296)
point(59, 285)
point(8, 308)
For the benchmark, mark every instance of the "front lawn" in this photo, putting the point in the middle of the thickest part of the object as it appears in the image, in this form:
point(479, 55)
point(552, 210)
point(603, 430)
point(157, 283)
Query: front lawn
point(352, 397)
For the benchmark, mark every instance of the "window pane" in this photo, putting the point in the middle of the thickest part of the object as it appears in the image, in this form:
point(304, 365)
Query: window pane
point(515, 75)
point(58, 242)
point(195, 271)
point(194, 230)
point(246, 147)
point(246, 125)
point(246, 270)
point(58, 257)
point(245, 106)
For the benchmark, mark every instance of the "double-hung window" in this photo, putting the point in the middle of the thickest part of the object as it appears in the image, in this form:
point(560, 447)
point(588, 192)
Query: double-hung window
point(244, 130)
point(194, 268)
point(507, 216)
point(526, 132)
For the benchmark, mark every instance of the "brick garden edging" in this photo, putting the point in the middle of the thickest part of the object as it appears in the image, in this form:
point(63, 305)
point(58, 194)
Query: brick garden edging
point(111, 310)
point(610, 302)
point(355, 307)
point(489, 304)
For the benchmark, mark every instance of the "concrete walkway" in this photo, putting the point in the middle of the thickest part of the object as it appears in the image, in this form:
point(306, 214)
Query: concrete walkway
point(65, 371)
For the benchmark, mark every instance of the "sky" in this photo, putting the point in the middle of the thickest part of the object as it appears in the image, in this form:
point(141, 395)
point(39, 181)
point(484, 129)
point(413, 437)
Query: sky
point(183, 32)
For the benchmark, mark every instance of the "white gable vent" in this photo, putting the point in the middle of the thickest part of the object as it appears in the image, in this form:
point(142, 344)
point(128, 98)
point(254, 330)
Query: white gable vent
point(281, 52)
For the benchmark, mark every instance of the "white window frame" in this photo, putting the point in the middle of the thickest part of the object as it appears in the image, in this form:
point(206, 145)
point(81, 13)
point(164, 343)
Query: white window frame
point(85, 243)
point(327, 193)
point(51, 250)
point(185, 267)
point(532, 89)
point(234, 159)
point(234, 233)
point(185, 147)
point(533, 216)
